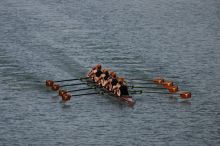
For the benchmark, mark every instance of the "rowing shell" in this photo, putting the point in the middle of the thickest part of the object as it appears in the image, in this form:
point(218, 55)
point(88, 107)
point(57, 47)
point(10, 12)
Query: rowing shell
point(127, 99)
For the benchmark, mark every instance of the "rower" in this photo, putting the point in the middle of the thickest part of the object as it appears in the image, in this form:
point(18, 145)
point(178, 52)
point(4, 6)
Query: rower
point(103, 79)
point(96, 72)
point(112, 81)
point(121, 89)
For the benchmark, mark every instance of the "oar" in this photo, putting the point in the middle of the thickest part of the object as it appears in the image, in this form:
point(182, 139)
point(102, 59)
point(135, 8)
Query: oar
point(146, 83)
point(66, 97)
point(171, 89)
point(61, 92)
point(51, 82)
point(157, 80)
point(135, 91)
point(133, 86)
point(182, 94)
point(56, 87)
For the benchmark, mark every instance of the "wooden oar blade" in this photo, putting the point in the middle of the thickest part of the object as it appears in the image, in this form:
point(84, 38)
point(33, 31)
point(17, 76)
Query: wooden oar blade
point(49, 83)
point(55, 87)
point(185, 95)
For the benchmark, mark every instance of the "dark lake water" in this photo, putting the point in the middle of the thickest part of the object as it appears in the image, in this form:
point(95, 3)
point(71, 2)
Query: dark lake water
point(55, 39)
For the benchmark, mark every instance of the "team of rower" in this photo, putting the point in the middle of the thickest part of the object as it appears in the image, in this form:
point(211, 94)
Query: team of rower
point(109, 80)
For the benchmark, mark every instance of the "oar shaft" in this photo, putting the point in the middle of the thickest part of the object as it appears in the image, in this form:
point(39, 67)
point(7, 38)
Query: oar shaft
point(75, 84)
point(141, 83)
point(72, 79)
point(143, 91)
point(85, 94)
point(135, 91)
point(155, 92)
point(140, 79)
point(142, 87)
point(72, 84)
point(183, 95)
point(66, 80)
point(80, 89)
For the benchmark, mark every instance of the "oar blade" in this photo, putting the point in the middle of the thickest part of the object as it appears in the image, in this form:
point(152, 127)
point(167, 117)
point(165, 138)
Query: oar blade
point(66, 97)
point(62, 92)
point(173, 89)
point(185, 95)
point(49, 83)
point(55, 87)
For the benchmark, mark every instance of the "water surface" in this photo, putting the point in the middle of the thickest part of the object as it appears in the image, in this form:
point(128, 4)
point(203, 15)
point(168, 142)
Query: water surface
point(53, 39)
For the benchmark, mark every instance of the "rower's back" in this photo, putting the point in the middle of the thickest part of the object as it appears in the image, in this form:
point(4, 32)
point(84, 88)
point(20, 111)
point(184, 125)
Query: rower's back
point(106, 75)
point(124, 90)
point(98, 73)
point(123, 87)
point(98, 70)
point(114, 80)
